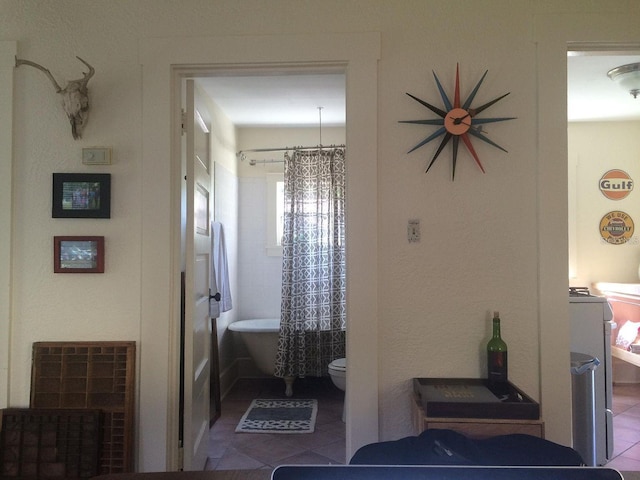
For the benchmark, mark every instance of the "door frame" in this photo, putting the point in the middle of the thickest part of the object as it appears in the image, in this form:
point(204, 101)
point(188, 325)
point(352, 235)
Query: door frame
point(160, 57)
point(8, 51)
point(555, 34)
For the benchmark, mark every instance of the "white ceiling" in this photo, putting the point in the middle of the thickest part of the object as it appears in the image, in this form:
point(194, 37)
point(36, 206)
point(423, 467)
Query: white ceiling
point(282, 100)
point(592, 95)
point(294, 100)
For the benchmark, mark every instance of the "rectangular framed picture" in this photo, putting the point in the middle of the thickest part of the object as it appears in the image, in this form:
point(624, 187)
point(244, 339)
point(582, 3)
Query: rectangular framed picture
point(78, 254)
point(81, 195)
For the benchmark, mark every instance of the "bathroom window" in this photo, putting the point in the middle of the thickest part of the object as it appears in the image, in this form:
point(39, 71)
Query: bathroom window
point(275, 213)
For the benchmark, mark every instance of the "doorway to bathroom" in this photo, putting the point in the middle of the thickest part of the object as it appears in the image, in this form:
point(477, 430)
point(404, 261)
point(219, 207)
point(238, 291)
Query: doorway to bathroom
point(164, 61)
point(245, 111)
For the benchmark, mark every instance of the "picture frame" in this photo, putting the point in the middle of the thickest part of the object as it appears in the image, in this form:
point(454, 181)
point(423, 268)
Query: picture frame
point(81, 195)
point(78, 254)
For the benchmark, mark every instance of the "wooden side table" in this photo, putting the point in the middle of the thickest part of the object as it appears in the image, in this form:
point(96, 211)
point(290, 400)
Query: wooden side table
point(475, 427)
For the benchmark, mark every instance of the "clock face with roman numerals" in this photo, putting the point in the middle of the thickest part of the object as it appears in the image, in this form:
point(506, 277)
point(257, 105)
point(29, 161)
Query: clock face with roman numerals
point(458, 121)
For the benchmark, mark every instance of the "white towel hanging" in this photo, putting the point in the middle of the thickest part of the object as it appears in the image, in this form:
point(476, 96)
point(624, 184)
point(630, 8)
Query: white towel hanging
point(219, 273)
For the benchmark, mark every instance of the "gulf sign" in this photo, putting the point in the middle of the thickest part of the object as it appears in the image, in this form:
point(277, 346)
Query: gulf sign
point(616, 184)
point(616, 228)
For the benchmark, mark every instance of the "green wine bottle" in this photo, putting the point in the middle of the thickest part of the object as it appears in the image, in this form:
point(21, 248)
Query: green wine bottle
point(497, 359)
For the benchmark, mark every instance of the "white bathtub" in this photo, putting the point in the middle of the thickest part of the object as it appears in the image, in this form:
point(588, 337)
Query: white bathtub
point(260, 335)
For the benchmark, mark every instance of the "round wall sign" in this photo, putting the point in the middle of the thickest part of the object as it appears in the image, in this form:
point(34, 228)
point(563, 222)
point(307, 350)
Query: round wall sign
point(616, 227)
point(616, 184)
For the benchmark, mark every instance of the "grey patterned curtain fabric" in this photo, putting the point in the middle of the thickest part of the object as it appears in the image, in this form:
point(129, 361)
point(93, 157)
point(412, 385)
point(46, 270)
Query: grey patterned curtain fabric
point(313, 312)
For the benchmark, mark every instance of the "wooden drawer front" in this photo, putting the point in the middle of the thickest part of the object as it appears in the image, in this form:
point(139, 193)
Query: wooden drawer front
point(479, 430)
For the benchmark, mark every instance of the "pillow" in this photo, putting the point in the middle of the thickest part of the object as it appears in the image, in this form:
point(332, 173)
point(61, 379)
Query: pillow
point(627, 334)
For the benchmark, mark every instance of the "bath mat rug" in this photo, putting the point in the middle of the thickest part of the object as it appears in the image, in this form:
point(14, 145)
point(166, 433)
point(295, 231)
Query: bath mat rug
point(279, 416)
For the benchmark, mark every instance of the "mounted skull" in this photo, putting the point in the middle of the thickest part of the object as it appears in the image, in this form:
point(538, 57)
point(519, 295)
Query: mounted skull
point(75, 96)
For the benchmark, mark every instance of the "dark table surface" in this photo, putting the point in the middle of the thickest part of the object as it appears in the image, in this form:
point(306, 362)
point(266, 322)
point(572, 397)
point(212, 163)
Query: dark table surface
point(264, 474)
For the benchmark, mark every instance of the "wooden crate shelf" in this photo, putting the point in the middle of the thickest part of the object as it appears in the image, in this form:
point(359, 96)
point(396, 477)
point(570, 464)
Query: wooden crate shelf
point(49, 443)
point(92, 375)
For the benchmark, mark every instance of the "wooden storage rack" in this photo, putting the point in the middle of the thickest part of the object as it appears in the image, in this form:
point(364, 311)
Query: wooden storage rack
point(91, 375)
point(49, 443)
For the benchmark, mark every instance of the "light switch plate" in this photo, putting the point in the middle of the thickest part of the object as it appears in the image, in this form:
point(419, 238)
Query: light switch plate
point(413, 231)
point(96, 156)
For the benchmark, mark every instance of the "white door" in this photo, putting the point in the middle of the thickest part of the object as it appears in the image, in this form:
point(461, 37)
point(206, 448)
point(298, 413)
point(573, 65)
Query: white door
point(197, 338)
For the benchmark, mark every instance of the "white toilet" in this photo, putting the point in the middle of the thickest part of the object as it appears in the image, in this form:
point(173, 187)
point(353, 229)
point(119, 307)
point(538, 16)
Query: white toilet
point(338, 373)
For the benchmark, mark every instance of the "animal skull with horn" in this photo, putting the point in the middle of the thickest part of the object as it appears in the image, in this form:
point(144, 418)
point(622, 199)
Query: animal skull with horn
point(75, 96)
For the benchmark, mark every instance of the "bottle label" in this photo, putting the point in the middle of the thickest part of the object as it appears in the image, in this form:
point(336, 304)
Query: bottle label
point(497, 366)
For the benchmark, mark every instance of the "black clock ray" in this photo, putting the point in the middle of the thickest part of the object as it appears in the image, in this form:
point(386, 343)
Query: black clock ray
point(456, 141)
point(435, 110)
point(445, 140)
point(476, 111)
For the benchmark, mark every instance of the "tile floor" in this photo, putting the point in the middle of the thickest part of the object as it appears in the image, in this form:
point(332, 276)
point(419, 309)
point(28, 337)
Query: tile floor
point(230, 450)
point(626, 428)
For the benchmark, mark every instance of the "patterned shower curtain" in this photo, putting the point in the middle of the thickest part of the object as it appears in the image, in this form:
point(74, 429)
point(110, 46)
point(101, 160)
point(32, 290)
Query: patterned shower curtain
point(313, 311)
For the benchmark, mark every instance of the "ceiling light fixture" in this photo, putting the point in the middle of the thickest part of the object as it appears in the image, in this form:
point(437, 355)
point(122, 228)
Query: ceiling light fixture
point(628, 77)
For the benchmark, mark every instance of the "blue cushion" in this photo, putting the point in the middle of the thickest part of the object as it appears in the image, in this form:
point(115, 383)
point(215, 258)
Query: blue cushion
point(447, 447)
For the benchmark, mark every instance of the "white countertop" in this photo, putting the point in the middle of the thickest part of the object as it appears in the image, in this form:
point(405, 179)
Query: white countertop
point(623, 288)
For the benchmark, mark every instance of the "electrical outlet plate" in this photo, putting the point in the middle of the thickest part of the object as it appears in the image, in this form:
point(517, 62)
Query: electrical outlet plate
point(96, 156)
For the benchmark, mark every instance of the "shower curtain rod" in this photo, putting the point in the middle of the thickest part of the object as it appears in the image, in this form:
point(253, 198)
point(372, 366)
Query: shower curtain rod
point(241, 153)
point(253, 162)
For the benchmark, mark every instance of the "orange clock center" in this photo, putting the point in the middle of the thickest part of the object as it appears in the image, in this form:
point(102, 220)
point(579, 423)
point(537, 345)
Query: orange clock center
point(457, 121)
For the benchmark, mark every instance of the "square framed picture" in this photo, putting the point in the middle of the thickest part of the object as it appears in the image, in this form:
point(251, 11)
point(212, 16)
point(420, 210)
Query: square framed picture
point(81, 195)
point(78, 254)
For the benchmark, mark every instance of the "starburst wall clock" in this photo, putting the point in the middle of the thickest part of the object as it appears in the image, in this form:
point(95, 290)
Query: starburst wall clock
point(458, 121)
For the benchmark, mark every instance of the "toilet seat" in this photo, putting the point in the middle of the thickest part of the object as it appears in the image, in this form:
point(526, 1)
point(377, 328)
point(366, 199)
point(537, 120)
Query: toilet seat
point(338, 373)
point(339, 365)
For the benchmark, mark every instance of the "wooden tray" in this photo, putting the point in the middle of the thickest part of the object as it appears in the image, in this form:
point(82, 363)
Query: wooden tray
point(472, 398)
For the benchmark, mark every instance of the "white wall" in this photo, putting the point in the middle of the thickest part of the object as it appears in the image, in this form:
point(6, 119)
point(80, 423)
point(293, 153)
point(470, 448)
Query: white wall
point(260, 274)
point(60, 307)
point(492, 241)
point(594, 149)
